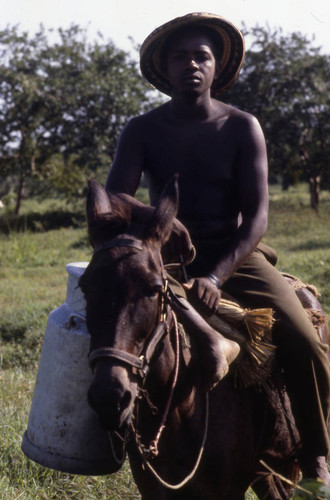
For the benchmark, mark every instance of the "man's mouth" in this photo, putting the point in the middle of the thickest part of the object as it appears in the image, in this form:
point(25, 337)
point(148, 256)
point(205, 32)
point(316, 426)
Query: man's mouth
point(191, 78)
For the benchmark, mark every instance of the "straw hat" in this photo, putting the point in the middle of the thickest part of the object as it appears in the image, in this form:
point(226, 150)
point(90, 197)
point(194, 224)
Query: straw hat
point(230, 59)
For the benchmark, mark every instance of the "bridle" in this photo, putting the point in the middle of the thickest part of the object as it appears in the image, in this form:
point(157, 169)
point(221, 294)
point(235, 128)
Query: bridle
point(140, 365)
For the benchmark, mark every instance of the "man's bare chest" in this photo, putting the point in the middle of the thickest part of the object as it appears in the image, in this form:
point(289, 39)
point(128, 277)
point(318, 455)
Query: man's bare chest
point(195, 153)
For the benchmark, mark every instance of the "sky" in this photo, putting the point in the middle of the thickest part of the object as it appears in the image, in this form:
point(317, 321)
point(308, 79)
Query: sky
point(119, 20)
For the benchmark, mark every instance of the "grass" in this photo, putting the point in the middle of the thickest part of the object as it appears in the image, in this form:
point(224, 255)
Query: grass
point(301, 237)
point(33, 282)
point(21, 478)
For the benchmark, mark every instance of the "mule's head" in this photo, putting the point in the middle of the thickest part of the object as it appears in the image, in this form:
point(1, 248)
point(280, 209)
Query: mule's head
point(122, 286)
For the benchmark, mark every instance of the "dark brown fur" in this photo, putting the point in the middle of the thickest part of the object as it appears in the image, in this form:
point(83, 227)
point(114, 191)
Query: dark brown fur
point(121, 286)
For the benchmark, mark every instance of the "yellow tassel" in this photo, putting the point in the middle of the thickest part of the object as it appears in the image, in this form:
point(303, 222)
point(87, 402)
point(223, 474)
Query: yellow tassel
point(252, 330)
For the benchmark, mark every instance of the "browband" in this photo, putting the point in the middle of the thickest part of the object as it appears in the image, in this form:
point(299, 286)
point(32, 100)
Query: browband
point(125, 242)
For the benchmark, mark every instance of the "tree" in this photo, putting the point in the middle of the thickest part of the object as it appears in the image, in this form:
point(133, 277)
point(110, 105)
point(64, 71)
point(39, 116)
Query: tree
point(63, 107)
point(285, 83)
point(21, 106)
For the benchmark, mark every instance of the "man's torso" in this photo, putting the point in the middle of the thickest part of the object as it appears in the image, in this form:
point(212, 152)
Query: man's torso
point(204, 155)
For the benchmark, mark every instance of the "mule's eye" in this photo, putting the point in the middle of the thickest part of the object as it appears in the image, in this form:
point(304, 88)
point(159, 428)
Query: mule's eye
point(154, 289)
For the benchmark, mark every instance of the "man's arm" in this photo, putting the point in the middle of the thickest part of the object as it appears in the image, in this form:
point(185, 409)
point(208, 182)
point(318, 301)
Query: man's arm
point(124, 178)
point(126, 170)
point(252, 192)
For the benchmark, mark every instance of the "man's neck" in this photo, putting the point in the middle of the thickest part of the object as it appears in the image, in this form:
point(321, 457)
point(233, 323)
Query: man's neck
point(187, 108)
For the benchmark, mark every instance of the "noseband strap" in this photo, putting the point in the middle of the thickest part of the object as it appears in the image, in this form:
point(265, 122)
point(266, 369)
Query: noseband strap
point(140, 362)
point(111, 352)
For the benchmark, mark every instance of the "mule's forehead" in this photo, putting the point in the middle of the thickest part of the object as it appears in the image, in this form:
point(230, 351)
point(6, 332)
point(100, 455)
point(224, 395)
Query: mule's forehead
point(126, 262)
point(133, 262)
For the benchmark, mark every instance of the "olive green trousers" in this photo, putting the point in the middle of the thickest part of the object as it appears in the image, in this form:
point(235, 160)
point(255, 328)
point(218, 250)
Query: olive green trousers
point(258, 284)
point(301, 353)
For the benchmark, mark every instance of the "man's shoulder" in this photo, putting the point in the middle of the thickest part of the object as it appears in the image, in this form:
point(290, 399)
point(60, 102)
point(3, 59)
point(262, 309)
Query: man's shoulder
point(237, 114)
point(148, 118)
point(139, 127)
point(243, 123)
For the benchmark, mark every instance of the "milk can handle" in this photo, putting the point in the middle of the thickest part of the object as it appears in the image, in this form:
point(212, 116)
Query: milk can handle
point(72, 317)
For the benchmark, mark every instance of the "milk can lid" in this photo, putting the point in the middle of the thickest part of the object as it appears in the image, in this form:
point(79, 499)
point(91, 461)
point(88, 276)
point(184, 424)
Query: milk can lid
point(76, 268)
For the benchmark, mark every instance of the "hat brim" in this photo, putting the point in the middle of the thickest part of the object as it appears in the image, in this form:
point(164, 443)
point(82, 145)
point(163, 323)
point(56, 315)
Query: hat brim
point(229, 62)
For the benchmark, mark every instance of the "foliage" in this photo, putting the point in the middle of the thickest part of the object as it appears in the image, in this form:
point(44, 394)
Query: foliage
point(285, 83)
point(310, 489)
point(64, 103)
point(63, 106)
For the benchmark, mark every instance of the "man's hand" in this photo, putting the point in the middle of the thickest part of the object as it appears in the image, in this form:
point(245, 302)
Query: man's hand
point(203, 295)
point(179, 244)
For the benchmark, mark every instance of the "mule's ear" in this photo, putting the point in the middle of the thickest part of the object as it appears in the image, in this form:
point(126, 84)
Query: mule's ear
point(98, 202)
point(161, 223)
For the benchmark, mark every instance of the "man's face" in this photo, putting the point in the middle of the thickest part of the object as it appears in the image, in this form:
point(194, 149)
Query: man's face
point(191, 66)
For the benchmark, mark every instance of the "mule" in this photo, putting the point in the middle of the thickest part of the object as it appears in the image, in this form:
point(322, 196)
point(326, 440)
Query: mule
point(146, 389)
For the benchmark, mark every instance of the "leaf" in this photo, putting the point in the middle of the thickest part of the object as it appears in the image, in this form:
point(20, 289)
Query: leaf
point(311, 489)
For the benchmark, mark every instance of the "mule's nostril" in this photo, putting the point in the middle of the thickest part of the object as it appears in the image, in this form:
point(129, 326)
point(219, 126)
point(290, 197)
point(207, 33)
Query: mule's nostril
point(126, 400)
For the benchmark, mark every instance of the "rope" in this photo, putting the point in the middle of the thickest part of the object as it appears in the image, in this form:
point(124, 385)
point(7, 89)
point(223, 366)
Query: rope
point(118, 461)
point(153, 447)
point(199, 457)
point(154, 444)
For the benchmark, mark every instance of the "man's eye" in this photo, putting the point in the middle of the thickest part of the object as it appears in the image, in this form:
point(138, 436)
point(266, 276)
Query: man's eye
point(204, 57)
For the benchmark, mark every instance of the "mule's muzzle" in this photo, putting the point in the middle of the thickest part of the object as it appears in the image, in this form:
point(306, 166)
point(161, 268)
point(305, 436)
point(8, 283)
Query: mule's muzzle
point(111, 416)
point(112, 395)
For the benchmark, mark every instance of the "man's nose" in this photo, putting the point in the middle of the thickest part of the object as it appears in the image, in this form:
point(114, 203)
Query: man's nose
point(192, 63)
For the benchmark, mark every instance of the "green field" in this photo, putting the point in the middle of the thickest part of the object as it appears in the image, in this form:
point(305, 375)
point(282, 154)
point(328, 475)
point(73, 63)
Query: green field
point(33, 282)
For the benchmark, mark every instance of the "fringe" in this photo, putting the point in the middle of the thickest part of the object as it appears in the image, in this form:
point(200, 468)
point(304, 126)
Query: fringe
point(252, 330)
point(297, 284)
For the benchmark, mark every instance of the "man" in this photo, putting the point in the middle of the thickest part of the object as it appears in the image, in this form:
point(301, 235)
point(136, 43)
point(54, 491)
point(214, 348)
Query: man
point(220, 155)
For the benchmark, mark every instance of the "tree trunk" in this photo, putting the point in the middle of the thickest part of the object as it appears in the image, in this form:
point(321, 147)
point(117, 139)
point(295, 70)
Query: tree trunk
point(314, 189)
point(19, 193)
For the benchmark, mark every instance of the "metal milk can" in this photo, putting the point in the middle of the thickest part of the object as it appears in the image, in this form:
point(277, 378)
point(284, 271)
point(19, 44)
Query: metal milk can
point(63, 432)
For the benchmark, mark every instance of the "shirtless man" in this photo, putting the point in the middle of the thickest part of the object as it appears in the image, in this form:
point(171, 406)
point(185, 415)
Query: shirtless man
point(220, 155)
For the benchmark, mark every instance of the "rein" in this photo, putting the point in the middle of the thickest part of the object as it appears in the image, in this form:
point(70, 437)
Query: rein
point(198, 460)
point(141, 366)
point(152, 451)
